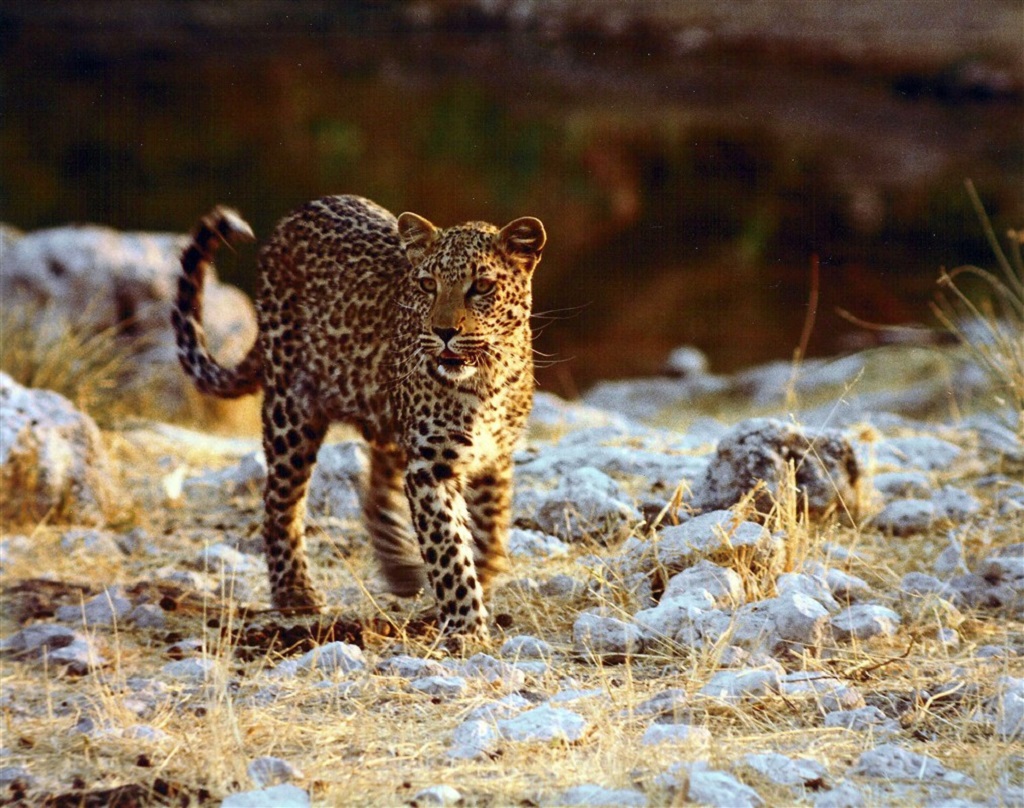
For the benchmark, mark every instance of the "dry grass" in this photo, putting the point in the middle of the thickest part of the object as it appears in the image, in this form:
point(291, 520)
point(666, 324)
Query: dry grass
point(105, 372)
point(92, 369)
point(992, 328)
point(377, 742)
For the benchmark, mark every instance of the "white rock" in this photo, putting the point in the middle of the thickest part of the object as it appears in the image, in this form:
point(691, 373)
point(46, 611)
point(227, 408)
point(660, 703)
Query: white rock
point(718, 536)
point(891, 762)
point(810, 585)
point(829, 693)
point(58, 645)
point(330, 658)
point(504, 707)
point(979, 592)
point(955, 504)
point(443, 686)
point(495, 671)
point(95, 278)
point(644, 399)
point(600, 635)
point(148, 615)
point(723, 584)
point(586, 503)
point(221, 559)
point(751, 683)
point(246, 476)
point(270, 771)
point(686, 362)
point(52, 459)
point(197, 669)
point(556, 414)
point(144, 732)
point(758, 451)
point(1006, 709)
point(595, 795)
point(751, 627)
point(676, 733)
point(863, 719)
point(903, 517)
point(675, 621)
point(951, 561)
point(15, 774)
point(799, 619)
point(1004, 568)
point(474, 739)
point(280, 796)
point(671, 701)
point(534, 544)
point(574, 694)
point(339, 477)
point(918, 584)
point(917, 452)
point(902, 484)
point(410, 667)
point(99, 543)
point(707, 787)
point(785, 771)
point(843, 586)
point(106, 609)
point(845, 795)
point(526, 646)
point(562, 586)
point(544, 724)
point(437, 795)
point(863, 621)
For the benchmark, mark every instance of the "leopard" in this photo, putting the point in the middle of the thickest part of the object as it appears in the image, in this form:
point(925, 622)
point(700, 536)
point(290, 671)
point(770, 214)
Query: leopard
point(419, 336)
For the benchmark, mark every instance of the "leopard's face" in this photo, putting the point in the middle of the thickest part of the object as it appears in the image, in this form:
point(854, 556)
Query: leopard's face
point(471, 293)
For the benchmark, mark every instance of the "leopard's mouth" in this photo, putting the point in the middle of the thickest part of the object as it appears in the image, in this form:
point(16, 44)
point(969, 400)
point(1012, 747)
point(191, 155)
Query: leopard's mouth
point(450, 359)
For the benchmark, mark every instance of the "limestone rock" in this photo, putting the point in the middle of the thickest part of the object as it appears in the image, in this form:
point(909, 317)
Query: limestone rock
point(52, 460)
point(544, 724)
point(756, 450)
point(589, 794)
point(128, 280)
point(602, 636)
point(891, 762)
point(863, 621)
point(338, 479)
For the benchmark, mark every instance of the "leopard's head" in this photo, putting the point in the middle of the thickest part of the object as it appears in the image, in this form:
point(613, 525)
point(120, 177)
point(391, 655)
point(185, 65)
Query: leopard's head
point(472, 291)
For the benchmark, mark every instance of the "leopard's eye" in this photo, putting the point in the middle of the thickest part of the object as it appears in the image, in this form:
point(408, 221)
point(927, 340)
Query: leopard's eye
point(481, 286)
point(428, 284)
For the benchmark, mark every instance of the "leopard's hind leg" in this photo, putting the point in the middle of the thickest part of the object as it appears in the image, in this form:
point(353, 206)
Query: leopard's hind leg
point(488, 495)
point(292, 434)
point(386, 513)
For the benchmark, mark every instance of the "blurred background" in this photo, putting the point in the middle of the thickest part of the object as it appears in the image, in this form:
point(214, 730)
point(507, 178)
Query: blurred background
point(687, 158)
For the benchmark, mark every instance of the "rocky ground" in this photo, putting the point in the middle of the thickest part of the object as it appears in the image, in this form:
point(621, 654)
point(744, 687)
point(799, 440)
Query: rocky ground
point(790, 586)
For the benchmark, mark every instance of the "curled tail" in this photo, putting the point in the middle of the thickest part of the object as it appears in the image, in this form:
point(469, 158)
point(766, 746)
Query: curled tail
point(218, 226)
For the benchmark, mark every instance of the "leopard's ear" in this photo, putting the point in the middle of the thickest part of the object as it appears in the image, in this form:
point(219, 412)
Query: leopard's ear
point(523, 239)
point(417, 235)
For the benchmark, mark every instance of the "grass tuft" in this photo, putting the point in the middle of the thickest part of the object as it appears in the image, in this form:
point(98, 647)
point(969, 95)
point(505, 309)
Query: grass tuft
point(993, 328)
point(44, 349)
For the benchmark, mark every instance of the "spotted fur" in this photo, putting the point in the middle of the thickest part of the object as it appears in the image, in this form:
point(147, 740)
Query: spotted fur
point(417, 335)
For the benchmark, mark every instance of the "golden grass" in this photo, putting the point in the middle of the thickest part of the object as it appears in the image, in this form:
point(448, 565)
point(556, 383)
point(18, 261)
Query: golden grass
point(91, 368)
point(993, 327)
point(381, 742)
point(103, 371)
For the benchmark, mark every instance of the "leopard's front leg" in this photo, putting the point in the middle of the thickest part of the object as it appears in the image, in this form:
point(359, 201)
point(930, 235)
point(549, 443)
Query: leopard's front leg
point(439, 514)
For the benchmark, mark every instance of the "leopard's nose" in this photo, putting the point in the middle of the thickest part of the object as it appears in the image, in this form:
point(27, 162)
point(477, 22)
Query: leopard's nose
point(447, 334)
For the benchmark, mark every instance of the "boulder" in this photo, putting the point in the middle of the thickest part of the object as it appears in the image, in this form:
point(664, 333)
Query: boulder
point(52, 460)
point(129, 281)
point(759, 449)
